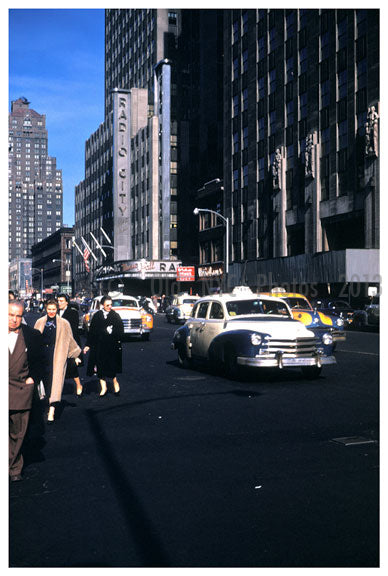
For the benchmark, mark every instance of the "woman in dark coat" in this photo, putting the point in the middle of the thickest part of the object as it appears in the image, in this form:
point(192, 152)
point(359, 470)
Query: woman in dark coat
point(66, 311)
point(104, 342)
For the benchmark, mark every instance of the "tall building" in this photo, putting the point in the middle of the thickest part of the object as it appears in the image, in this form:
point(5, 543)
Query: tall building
point(35, 192)
point(159, 142)
point(301, 156)
point(130, 188)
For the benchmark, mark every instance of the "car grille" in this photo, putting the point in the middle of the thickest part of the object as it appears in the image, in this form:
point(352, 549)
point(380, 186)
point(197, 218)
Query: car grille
point(132, 323)
point(291, 348)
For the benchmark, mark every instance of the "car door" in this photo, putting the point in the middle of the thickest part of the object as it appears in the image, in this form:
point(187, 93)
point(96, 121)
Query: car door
point(197, 326)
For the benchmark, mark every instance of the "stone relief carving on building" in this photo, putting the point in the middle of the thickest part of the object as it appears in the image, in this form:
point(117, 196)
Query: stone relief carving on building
point(372, 133)
point(309, 164)
point(276, 169)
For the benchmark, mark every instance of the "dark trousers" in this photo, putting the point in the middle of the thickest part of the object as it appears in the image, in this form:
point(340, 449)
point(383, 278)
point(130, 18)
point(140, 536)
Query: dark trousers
point(18, 422)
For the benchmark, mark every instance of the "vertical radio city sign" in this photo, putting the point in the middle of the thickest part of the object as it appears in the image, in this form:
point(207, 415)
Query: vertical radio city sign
point(121, 174)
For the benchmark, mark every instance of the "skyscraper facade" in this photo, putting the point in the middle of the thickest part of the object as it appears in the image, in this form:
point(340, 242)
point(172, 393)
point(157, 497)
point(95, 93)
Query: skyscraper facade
point(35, 191)
point(131, 166)
point(301, 158)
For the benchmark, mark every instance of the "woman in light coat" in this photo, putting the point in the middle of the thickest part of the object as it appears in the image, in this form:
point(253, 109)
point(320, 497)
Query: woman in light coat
point(59, 345)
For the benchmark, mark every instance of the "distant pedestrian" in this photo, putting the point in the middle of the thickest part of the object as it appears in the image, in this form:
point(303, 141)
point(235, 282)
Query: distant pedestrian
point(25, 365)
point(104, 342)
point(71, 315)
point(58, 346)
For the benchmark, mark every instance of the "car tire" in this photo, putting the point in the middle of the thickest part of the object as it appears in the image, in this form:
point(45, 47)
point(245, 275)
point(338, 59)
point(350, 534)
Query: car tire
point(145, 337)
point(311, 372)
point(230, 363)
point(184, 361)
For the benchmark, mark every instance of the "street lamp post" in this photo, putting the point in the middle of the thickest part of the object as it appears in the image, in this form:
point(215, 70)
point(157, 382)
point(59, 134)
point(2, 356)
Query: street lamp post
point(226, 221)
point(67, 262)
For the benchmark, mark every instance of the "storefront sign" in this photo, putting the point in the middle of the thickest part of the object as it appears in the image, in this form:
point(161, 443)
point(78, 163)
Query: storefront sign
point(185, 274)
point(210, 271)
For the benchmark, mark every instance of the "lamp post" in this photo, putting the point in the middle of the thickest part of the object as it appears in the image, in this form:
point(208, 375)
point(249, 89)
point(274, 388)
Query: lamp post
point(41, 278)
point(196, 211)
point(67, 262)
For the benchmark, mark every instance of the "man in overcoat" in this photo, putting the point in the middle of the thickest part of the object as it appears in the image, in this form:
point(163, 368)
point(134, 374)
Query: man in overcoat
point(25, 372)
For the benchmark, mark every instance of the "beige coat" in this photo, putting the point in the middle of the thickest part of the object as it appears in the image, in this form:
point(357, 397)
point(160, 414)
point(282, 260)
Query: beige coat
point(65, 347)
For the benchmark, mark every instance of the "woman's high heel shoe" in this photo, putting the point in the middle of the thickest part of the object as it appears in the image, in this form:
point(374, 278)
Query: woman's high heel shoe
point(104, 388)
point(51, 415)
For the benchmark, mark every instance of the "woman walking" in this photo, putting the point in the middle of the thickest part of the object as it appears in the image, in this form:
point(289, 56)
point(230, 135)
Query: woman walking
point(58, 345)
point(104, 342)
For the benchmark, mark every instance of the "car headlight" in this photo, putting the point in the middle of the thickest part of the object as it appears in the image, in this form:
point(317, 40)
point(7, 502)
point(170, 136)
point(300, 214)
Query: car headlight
point(256, 339)
point(327, 339)
point(340, 322)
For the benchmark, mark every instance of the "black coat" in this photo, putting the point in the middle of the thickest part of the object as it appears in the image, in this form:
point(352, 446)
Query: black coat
point(71, 315)
point(104, 340)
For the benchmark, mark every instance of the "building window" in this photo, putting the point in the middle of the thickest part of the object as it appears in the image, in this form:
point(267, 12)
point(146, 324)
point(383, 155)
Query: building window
point(290, 69)
point(172, 18)
point(245, 137)
point(303, 106)
point(245, 22)
point(342, 84)
point(235, 31)
point(325, 94)
point(262, 47)
point(325, 177)
point(236, 64)
point(303, 60)
point(236, 143)
point(236, 105)
point(325, 46)
point(245, 61)
point(245, 99)
point(343, 135)
point(272, 81)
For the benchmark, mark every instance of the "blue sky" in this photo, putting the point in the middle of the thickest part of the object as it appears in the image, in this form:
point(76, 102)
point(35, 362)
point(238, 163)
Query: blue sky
point(56, 60)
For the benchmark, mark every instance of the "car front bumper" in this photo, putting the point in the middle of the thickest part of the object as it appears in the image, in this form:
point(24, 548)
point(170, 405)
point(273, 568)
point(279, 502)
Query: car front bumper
point(280, 361)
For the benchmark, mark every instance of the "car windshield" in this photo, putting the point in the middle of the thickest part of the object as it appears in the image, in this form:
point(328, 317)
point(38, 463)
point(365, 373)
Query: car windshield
point(257, 306)
point(123, 302)
point(339, 304)
point(297, 302)
point(189, 300)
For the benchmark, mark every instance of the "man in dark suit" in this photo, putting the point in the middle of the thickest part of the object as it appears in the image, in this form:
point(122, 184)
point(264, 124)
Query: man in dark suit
point(70, 314)
point(25, 372)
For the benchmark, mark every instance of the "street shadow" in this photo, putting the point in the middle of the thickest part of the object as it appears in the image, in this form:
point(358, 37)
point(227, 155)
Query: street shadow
point(148, 545)
point(249, 375)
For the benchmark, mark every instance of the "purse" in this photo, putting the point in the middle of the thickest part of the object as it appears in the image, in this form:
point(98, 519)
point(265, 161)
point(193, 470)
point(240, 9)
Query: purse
point(41, 391)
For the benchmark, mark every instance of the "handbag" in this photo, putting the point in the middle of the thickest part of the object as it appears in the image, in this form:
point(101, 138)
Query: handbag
point(41, 391)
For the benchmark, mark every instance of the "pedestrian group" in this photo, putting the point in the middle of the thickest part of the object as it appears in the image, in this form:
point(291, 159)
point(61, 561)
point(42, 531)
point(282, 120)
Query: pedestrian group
point(41, 358)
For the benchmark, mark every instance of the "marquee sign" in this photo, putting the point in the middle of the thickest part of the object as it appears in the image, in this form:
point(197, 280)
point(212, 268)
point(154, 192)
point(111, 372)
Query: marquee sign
point(142, 269)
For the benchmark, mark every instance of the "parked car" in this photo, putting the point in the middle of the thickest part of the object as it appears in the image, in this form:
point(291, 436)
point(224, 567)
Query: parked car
point(181, 307)
point(302, 310)
point(370, 316)
point(335, 306)
point(137, 322)
point(249, 330)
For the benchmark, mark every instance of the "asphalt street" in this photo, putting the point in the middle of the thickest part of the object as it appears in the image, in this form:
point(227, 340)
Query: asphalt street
point(187, 468)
